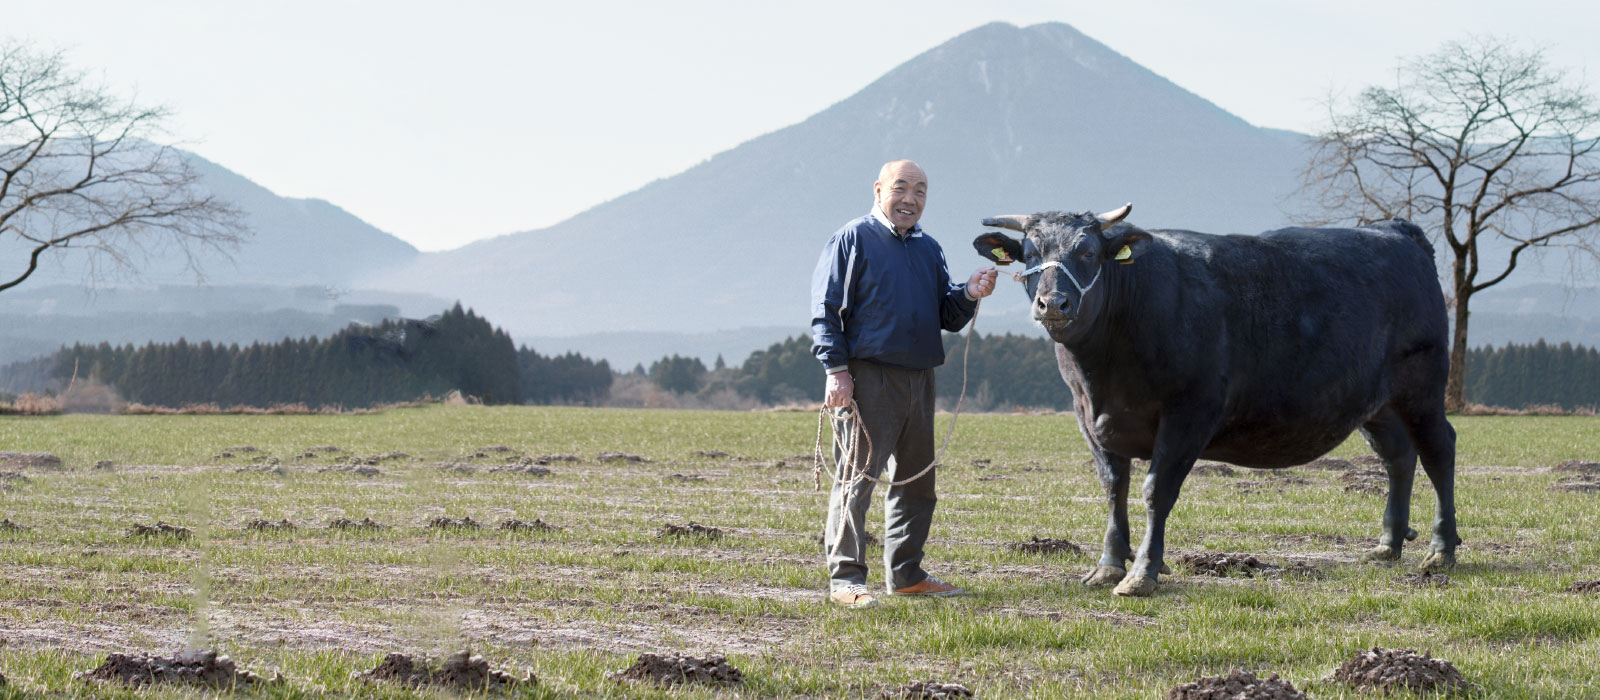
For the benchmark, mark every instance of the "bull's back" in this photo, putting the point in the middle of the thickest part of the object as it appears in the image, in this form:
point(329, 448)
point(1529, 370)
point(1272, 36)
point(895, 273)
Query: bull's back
point(1318, 323)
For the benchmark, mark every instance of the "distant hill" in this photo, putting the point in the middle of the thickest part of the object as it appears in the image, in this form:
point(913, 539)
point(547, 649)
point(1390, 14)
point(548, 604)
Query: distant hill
point(1004, 120)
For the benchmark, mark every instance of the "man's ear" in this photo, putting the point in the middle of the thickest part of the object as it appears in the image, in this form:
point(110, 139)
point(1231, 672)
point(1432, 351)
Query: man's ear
point(1128, 244)
point(998, 247)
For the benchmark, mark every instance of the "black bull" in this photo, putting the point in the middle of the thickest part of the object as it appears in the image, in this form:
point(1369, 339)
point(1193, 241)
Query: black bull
point(1263, 351)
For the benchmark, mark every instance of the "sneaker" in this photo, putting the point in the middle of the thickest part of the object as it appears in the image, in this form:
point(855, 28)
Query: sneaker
point(929, 586)
point(854, 596)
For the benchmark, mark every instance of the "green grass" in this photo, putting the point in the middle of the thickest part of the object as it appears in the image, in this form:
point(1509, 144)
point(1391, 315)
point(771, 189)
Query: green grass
point(571, 605)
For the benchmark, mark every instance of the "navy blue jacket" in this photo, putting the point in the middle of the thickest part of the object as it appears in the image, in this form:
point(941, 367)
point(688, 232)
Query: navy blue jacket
point(881, 298)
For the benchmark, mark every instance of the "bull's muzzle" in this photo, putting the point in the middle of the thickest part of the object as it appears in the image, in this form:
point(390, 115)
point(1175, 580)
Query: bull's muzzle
point(1052, 307)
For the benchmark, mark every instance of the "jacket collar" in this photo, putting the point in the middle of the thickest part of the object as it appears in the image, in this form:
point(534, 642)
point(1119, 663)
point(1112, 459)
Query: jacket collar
point(877, 213)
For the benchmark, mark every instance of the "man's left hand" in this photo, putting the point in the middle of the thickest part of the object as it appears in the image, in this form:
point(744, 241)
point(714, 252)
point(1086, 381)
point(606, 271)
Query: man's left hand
point(981, 284)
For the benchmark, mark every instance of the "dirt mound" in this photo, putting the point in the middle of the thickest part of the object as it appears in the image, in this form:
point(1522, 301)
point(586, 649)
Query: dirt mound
point(8, 526)
point(1394, 669)
point(1368, 481)
point(1578, 466)
point(926, 690)
point(689, 478)
point(1424, 579)
point(711, 454)
point(553, 458)
point(324, 448)
point(1225, 564)
point(1212, 469)
point(259, 525)
point(14, 476)
point(620, 457)
point(456, 468)
point(693, 529)
point(203, 668)
point(36, 460)
point(445, 522)
point(1238, 685)
point(982, 462)
point(1367, 461)
point(1045, 545)
point(528, 469)
point(1584, 587)
point(514, 525)
point(160, 529)
point(348, 524)
point(105, 465)
point(357, 469)
point(1331, 464)
point(462, 671)
point(669, 669)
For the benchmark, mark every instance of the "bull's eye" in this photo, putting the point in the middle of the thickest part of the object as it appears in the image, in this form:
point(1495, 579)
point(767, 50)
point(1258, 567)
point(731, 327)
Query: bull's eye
point(1087, 255)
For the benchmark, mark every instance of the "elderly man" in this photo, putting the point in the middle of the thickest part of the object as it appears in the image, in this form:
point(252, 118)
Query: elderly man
point(879, 297)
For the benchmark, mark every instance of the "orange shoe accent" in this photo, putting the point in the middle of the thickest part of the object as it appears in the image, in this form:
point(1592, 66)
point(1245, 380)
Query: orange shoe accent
point(929, 586)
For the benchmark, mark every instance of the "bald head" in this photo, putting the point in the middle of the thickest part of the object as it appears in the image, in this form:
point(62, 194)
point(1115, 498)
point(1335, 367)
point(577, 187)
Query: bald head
point(901, 192)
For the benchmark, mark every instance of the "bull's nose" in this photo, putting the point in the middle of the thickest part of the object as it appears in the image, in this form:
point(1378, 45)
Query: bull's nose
point(1053, 305)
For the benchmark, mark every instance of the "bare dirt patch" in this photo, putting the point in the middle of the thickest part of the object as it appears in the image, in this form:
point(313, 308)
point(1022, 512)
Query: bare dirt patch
point(620, 457)
point(455, 468)
point(1238, 685)
point(35, 460)
point(1330, 464)
point(1367, 461)
point(8, 526)
point(348, 524)
point(514, 525)
point(1424, 579)
point(529, 469)
point(445, 522)
point(202, 668)
point(1224, 564)
point(1389, 670)
point(711, 454)
point(549, 459)
point(1584, 587)
point(926, 690)
point(1578, 466)
point(1213, 469)
point(105, 465)
point(263, 468)
point(1045, 545)
point(672, 669)
point(462, 671)
point(160, 529)
point(13, 477)
point(693, 529)
point(259, 525)
point(686, 478)
point(1373, 482)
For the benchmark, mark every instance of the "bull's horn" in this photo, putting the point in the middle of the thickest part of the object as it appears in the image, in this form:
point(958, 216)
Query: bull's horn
point(1115, 215)
point(1015, 222)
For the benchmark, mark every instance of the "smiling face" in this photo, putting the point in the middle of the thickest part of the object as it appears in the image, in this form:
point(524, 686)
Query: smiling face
point(901, 191)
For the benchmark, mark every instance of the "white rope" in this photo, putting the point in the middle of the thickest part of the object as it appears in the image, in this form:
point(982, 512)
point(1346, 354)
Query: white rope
point(1023, 276)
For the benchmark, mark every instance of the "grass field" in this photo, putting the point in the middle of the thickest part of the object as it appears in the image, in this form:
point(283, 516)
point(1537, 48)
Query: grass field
point(316, 605)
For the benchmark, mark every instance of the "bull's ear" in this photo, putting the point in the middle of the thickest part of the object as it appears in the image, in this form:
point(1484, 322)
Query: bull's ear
point(998, 247)
point(1128, 244)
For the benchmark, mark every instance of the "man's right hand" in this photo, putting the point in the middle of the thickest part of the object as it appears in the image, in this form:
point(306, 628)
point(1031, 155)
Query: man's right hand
point(841, 387)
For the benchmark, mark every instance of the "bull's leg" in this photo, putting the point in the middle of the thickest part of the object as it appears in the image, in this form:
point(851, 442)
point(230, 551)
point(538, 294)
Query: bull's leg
point(1179, 441)
point(1388, 437)
point(1436, 444)
point(1116, 552)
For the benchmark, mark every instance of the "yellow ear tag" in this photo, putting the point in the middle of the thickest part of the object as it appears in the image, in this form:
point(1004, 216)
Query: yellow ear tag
point(1001, 257)
point(1125, 256)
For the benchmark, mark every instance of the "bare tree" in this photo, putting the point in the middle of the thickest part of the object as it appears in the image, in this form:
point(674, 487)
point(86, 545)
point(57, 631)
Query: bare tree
point(1482, 144)
point(80, 172)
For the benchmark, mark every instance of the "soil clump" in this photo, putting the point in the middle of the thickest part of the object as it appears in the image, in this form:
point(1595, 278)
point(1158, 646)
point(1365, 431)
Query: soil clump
point(462, 671)
point(982, 462)
point(546, 460)
point(671, 669)
point(1238, 685)
point(1425, 579)
point(529, 469)
point(445, 522)
point(1212, 469)
point(348, 524)
point(712, 454)
point(36, 460)
point(202, 668)
point(1372, 482)
point(1045, 545)
point(1388, 670)
point(1578, 466)
point(160, 529)
point(105, 465)
point(8, 526)
point(1367, 461)
point(18, 477)
point(456, 467)
point(693, 529)
point(620, 457)
point(358, 470)
point(688, 478)
point(926, 690)
point(259, 525)
point(1225, 564)
point(1584, 587)
point(515, 525)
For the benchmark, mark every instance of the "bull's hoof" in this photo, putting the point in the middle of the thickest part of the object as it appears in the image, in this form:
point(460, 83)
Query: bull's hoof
point(1104, 576)
point(1137, 586)
point(1439, 561)
point(1382, 552)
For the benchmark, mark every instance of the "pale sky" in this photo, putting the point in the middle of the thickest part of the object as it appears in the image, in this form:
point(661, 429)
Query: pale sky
point(443, 125)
